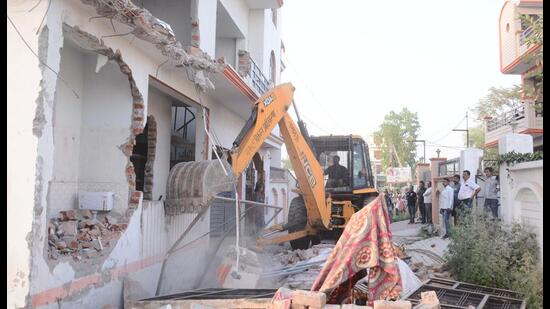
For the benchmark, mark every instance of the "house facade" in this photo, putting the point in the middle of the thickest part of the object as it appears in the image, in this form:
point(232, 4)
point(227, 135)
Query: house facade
point(515, 58)
point(107, 96)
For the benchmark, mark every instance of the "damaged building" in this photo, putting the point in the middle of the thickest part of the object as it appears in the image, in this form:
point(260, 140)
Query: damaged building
point(104, 98)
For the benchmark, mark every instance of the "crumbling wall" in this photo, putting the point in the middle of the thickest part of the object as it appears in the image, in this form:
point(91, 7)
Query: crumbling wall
point(68, 283)
point(197, 64)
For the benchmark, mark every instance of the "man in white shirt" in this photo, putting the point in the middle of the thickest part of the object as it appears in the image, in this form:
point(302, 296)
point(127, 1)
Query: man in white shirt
point(446, 199)
point(468, 190)
point(491, 192)
point(428, 202)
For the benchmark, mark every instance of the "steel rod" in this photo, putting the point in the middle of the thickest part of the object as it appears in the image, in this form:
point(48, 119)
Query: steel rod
point(246, 202)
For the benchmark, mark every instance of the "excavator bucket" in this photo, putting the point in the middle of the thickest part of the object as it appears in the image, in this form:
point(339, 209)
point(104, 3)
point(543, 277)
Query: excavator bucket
point(193, 185)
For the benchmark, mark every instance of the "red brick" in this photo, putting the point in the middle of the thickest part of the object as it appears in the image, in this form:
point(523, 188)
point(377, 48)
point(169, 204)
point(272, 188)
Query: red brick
point(73, 245)
point(67, 215)
point(87, 244)
point(68, 228)
point(120, 227)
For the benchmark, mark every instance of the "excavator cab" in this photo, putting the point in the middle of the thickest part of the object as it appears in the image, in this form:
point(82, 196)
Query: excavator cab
point(346, 163)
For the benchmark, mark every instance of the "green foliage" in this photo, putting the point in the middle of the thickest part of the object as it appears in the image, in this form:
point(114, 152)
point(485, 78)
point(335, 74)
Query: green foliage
point(396, 133)
point(477, 137)
point(497, 102)
point(535, 88)
point(488, 252)
point(511, 158)
point(401, 216)
point(287, 164)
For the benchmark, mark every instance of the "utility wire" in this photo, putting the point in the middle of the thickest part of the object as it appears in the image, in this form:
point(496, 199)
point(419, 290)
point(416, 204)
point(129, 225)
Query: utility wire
point(451, 131)
point(313, 94)
point(39, 60)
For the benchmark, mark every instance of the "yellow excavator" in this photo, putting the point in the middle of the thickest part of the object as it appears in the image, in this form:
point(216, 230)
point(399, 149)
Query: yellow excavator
point(327, 195)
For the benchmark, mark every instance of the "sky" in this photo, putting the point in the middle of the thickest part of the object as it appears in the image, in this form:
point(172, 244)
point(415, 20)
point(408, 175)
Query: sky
point(353, 61)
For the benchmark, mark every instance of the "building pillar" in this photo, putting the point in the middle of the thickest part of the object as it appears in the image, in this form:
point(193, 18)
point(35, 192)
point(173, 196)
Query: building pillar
point(520, 143)
point(437, 183)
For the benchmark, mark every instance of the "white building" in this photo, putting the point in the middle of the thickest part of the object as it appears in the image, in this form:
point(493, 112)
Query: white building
point(516, 59)
point(110, 102)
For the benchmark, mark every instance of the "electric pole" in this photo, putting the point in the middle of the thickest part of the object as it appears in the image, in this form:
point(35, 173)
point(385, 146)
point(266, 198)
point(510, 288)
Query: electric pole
point(467, 132)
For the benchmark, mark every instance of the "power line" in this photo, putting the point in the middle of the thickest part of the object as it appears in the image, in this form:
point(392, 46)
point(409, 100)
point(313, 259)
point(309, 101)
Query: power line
point(38, 57)
point(313, 94)
point(451, 131)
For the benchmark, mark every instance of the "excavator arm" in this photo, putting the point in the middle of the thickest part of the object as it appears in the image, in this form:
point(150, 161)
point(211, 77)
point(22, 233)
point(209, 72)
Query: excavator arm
point(272, 109)
point(193, 185)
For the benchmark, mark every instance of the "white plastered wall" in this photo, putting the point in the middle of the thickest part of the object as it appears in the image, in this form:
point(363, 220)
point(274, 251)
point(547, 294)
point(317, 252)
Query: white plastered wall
point(160, 107)
point(23, 90)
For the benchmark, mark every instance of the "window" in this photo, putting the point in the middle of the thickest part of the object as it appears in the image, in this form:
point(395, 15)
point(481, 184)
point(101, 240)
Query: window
point(326, 159)
point(360, 174)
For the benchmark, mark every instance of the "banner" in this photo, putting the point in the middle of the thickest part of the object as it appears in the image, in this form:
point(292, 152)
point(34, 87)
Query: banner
point(398, 174)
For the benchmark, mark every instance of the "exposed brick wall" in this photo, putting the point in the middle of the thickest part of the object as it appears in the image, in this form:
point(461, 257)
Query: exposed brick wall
point(151, 149)
point(244, 63)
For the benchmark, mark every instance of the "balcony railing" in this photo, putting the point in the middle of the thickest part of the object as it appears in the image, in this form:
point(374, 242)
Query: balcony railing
point(521, 119)
point(508, 118)
point(525, 35)
point(259, 82)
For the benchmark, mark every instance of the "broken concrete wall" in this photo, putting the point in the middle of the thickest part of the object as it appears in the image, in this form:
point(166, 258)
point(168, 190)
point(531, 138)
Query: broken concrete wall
point(175, 13)
point(87, 131)
point(34, 99)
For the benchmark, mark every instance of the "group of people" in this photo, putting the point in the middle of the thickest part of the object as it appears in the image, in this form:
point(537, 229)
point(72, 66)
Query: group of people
point(454, 198)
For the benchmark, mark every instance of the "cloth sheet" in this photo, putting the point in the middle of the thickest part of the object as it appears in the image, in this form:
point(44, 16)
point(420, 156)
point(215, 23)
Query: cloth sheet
point(365, 244)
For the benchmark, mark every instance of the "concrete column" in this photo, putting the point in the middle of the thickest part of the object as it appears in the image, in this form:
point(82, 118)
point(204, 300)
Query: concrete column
point(436, 183)
point(520, 143)
point(470, 160)
point(206, 17)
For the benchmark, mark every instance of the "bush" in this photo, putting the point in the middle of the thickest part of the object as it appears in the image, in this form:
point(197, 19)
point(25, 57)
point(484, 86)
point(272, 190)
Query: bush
point(488, 252)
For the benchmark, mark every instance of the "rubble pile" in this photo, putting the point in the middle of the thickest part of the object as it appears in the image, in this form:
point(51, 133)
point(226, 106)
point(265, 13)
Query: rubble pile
point(424, 272)
point(82, 234)
point(294, 256)
point(298, 269)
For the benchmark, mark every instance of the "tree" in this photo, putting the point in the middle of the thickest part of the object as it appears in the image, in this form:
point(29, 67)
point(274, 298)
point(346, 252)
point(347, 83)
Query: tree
point(494, 104)
point(497, 102)
point(287, 164)
point(534, 89)
point(396, 134)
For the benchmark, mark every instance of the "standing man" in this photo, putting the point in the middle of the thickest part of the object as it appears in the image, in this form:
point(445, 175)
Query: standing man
point(456, 188)
point(389, 203)
point(468, 190)
point(491, 191)
point(428, 202)
point(446, 205)
point(420, 201)
point(411, 203)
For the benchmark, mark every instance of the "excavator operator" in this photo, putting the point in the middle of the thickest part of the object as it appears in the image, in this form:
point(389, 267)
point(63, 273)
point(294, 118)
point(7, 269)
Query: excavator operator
point(337, 174)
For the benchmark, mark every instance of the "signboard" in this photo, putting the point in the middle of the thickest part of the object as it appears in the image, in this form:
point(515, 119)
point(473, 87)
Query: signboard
point(398, 174)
